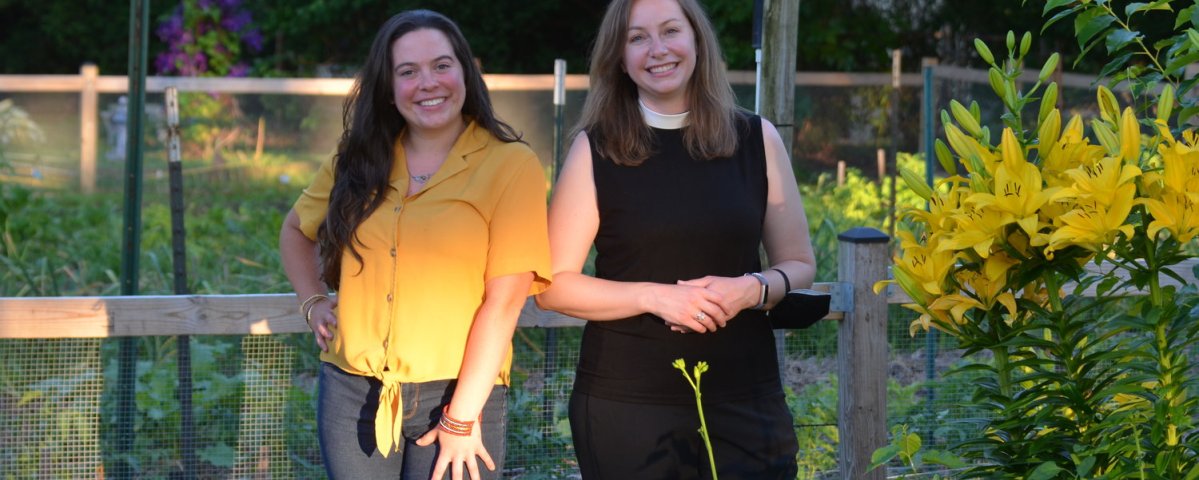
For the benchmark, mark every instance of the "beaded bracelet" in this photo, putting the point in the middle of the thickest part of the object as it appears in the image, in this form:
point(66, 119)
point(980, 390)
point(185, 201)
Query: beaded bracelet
point(451, 426)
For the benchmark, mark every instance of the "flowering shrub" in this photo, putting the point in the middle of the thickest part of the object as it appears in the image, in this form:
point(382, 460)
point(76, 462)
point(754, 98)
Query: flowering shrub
point(206, 38)
point(1084, 387)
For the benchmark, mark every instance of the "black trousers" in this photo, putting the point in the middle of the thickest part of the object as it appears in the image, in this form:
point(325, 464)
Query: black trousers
point(752, 439)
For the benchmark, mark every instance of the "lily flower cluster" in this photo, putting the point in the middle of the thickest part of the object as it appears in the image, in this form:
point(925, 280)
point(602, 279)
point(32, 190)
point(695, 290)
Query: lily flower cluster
point(1050, 202)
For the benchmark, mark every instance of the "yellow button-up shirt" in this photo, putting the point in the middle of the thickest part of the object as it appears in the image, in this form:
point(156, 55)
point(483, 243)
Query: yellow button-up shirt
point(405, 310)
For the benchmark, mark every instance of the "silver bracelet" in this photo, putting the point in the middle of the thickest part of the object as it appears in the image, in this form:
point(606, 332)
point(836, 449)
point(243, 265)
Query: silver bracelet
point(765, 289)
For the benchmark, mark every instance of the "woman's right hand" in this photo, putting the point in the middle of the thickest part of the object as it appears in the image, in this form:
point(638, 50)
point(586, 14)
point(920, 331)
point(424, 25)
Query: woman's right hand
point(322, 321)
point(688, 308)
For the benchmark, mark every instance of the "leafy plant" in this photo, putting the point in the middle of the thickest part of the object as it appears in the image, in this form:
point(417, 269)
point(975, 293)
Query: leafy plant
point(1119, 30)
point(1079, 387)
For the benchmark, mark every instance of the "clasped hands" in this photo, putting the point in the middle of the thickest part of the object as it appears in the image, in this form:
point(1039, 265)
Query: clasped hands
point(704, 304)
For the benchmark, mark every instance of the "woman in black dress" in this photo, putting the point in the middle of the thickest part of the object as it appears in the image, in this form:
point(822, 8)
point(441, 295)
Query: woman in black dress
point(677, 189)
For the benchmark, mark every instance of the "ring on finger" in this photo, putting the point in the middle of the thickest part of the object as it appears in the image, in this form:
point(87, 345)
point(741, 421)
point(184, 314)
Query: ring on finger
point(701, 316)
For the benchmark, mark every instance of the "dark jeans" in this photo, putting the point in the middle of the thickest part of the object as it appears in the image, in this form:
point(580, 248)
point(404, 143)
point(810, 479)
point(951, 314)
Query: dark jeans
point(346, 406)
point(752, 439)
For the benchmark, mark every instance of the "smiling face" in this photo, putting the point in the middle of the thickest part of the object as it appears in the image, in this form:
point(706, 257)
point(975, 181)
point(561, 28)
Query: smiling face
point(427, 81)
point(659, 54)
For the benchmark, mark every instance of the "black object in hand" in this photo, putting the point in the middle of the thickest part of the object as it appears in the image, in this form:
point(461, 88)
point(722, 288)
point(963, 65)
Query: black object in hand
point(799, 308)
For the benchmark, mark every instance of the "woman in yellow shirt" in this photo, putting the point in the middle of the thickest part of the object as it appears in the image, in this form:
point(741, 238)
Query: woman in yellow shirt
point(429, 222)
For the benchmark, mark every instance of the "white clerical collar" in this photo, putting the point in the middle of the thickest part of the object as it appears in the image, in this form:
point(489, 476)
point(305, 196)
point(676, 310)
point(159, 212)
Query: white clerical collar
point(662, 120)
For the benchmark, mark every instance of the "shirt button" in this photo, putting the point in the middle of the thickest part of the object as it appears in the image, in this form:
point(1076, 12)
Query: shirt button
point(397, 209)
point(385, 344)
point(389, 297)
point(393, 251)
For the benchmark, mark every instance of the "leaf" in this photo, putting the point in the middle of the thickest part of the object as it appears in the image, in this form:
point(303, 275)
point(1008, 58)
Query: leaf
point(1053, 4)
point(1060, 15)
point(910, 444)
point(1118, 38)
point(883, 455)
point(940, 457)
point(1090, 24)
point(220, 455)
point(1181, 62)
point(1194, 37)
point(1184, 115)
point(1184, 16)
point(1134, 8)
point(1114, 65)
point(1045, 471)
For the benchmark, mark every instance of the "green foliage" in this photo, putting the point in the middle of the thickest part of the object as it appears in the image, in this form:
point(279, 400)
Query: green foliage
point(1149, 43)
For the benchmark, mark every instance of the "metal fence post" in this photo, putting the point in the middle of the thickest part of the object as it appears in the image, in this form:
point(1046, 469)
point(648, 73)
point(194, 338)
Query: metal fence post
point(862, 353)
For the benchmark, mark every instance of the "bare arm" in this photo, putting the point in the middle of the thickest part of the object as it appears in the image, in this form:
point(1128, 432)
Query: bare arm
point(487, 347)
point(573, 223)
point(785, 236)
point(299, 255)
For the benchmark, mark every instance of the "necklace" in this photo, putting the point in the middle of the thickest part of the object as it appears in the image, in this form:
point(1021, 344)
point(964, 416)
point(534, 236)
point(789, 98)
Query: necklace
point(421, 178)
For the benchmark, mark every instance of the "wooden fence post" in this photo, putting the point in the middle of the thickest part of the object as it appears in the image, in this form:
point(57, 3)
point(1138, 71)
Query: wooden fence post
point(862, 353)
point(88, 114)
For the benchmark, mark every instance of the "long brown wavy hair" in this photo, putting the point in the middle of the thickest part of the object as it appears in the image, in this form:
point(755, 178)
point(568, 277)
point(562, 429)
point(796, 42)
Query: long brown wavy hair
point(371, 124)
point(612, 117)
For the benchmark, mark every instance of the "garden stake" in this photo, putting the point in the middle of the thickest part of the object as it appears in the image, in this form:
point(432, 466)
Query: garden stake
point(139, 18)
point(187, 435)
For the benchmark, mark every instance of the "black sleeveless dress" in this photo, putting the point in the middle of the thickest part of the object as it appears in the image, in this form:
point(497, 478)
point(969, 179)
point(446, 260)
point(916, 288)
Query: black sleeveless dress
point(676, 218)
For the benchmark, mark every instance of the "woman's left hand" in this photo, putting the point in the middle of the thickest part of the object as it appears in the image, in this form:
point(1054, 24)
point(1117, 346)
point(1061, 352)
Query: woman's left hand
point(457, 450)
point(736, 293)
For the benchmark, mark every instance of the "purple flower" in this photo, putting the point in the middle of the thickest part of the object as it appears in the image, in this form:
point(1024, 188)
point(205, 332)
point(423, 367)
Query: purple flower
point(228, 5)
point(253, 38)
point(239, 70)
point(237, 22)
point(204, 4)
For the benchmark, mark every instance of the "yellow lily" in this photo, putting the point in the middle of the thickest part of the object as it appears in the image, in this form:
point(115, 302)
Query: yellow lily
point(1092, 225)
point(922, 269)
point(978, 228)
point(1174, 212)
point(1018, 191)
point(1099, 181)
point(942, 205)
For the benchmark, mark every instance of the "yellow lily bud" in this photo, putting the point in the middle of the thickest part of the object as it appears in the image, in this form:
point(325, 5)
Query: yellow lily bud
point(1109, 108)
point(1048, 101)
point(1048, 135)
point(1165, 103)
point(1107, 138)
point(1130, 136)
point(964, 118)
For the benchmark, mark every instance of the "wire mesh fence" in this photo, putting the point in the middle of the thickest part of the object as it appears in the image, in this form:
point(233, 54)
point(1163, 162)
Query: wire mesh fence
point(254, 404)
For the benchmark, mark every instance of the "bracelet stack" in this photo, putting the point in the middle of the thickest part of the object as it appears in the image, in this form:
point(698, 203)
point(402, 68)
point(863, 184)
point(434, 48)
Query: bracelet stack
point(306, 307)
point(451, 426)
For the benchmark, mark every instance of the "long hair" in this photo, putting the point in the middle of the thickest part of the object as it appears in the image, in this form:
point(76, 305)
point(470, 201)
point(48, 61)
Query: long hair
point(612, 117)
point(371, 124)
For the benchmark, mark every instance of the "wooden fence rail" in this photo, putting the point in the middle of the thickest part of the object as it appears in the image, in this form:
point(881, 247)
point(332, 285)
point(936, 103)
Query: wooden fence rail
point(862, 353)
